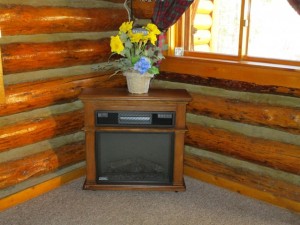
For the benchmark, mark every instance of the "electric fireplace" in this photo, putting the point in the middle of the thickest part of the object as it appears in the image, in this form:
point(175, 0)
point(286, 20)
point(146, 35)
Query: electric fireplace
point(140, 157)
point(134, 142)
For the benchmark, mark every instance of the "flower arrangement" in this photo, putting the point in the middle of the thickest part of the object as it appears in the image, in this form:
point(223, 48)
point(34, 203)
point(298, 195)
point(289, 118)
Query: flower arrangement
point(137, 48)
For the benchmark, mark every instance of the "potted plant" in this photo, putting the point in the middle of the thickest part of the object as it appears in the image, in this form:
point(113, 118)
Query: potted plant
point(139, 55)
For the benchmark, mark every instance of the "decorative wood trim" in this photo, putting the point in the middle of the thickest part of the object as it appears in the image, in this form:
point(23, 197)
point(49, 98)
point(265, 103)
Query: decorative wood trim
point(40, 189)
point(242, 189)
point(132, 187)
point(25, 20)
point(268, 153)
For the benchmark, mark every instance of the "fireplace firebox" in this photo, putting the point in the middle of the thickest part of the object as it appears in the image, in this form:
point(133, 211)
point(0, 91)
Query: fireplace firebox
point(134, 142)
point(134, 157)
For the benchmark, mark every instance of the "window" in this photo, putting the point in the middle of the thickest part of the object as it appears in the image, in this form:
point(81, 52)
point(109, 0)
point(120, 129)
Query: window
point(243, 30)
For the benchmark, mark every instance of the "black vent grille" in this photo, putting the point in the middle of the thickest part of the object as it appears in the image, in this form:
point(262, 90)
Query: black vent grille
point(128, 118)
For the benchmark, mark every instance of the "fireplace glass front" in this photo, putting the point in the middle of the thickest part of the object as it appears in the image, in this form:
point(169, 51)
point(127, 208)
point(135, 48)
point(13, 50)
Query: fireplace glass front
point(134, 157)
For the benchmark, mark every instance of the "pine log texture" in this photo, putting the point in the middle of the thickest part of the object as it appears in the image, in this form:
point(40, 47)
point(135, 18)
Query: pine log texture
point(39, 189)
point(142, 10)
point(227, 84)
point(17, 171)
point(268, 153)
point(278, 117)
point(24, 20)
point(24, 57)
point(229, 70)
point(38, 129)
point(261, 182)
point(20, 97)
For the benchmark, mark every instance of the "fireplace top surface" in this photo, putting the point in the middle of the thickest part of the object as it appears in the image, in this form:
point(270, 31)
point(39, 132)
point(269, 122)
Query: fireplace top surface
point(118, 94)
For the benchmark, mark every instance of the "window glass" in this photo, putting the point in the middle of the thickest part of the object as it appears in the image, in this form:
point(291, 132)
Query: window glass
point(271, 30)
point(225, 28)
point(216, 26)
point(274, 30)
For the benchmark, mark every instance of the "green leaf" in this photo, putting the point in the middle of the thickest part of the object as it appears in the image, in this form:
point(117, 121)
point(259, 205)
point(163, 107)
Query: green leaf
point(153, 70)
point(150, 53)
point(138, 51)
point(126, 53)
point(123, 37)
point(134, 59)
point(128, 44)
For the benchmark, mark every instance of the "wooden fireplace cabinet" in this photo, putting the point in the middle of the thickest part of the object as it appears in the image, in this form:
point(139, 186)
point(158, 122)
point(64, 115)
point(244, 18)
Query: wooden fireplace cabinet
point(113, 99)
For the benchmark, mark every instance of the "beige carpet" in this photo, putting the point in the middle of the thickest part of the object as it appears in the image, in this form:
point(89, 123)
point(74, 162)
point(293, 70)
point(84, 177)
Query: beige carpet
point(201, 204)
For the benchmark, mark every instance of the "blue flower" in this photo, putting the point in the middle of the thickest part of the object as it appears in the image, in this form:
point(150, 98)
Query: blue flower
point(142, 65)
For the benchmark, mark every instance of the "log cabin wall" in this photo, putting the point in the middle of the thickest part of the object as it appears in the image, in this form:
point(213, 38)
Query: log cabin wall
point(242, 136)
point(49, 49)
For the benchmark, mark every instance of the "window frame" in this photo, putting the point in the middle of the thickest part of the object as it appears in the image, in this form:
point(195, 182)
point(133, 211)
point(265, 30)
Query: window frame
point(242, 45)
point(226, 67)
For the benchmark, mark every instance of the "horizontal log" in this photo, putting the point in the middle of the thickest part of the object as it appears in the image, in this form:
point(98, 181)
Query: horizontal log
point(22, 19)
point(227, 84)
point(205, 7)
point(278, 117)
point(143, 10)
point(24, 57)
point(17, 171)
point(229, 69)
point(39, 129)
point(38, 94)
point(268, 153)
point(39, 189)
point(203, 21)
point(202, 37)
point(278, 197)
point(258, 181)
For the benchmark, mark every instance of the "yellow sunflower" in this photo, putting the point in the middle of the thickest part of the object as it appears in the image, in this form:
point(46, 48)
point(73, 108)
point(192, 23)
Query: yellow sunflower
point(135, 37)
point(116, 44)
point(152, 37)
point(126, 26)
point(152, 28)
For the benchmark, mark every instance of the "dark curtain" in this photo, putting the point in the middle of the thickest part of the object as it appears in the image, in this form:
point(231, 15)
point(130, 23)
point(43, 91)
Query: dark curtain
point(167, 12)
point(295, 4)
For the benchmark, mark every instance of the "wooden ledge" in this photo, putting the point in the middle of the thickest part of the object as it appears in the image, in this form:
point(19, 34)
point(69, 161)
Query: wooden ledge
point(257, 73)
